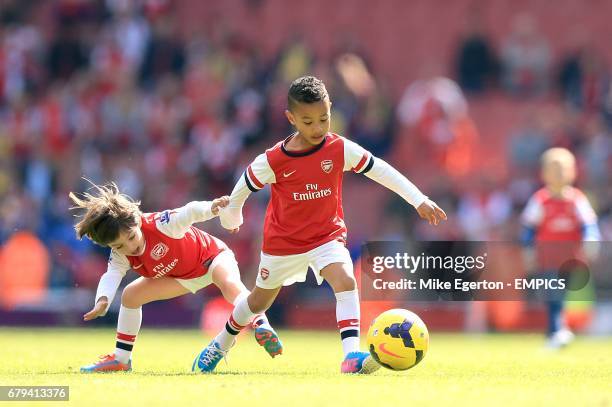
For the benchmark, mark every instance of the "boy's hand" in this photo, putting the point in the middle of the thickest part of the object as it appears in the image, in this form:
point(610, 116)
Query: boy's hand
point(98, 310)
point(430, 211)
point(230, 218)
point(219, 203)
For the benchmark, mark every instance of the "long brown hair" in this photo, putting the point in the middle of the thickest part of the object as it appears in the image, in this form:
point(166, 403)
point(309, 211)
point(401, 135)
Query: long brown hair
point(107, 212)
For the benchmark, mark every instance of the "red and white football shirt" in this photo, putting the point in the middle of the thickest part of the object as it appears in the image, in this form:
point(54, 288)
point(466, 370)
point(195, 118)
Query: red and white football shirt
point(559, 223)
point(305, 208)
point(173, 248)
point(559, 218)
point(184, 257)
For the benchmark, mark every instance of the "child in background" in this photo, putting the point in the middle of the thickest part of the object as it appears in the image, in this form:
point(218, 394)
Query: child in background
point(556, 219)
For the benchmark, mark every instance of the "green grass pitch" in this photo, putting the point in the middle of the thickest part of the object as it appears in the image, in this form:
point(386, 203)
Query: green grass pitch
point(458, 370)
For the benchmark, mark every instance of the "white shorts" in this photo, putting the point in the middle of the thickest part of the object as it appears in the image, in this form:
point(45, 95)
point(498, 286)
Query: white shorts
point(226, 258)
point(276, 271)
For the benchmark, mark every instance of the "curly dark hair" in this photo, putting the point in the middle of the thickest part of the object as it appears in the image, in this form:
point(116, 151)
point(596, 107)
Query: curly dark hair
point(306, 89)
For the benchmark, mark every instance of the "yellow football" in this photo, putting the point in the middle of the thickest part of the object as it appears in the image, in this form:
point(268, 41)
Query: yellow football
point(398, 339)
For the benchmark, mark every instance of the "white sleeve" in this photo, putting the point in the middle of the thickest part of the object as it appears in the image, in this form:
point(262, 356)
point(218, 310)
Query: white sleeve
point(533, 212)
point(356, 158)
point(361, 161)
point(176, 222)
point(588, 218)
point(118, 266)
point(254, 178)
point(585, 211)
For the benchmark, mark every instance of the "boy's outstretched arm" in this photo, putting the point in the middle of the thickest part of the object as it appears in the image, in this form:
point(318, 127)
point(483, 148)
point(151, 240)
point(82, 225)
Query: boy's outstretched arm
point(253, 179)
point(359, 160)
point(231, 215)
point(176, 222)
point(386, 175)
point(118, 266)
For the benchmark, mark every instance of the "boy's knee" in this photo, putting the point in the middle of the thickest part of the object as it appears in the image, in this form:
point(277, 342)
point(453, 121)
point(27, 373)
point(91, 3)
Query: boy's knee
point(256, 305)
point(129, 298)
point(259, 302)
point(345, 283)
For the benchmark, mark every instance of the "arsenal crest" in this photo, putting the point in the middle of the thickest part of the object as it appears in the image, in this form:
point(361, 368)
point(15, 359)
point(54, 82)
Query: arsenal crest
point(264, 273)
point(159, 251)
point(327, 165)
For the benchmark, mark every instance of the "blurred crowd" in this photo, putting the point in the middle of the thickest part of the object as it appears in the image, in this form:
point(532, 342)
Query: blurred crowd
point(564, 101)
point(113, 90)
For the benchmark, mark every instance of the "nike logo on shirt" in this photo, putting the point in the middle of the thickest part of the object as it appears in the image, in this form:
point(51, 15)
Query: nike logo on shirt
point(287, 174)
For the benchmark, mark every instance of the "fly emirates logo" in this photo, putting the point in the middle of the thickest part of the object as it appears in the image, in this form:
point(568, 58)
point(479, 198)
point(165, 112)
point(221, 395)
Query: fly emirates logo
point(312, 192)
point(161, 270)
